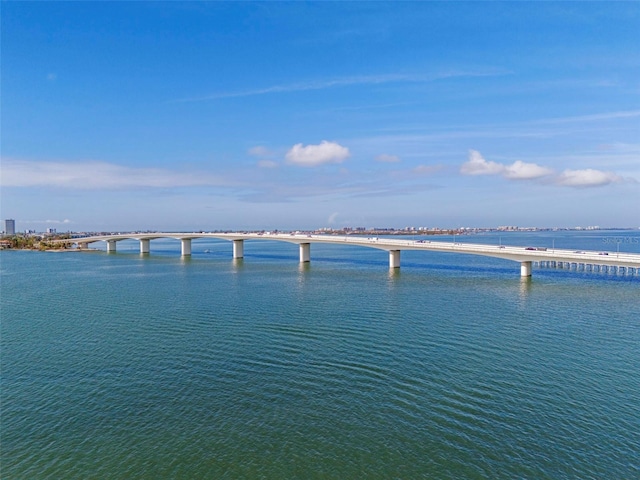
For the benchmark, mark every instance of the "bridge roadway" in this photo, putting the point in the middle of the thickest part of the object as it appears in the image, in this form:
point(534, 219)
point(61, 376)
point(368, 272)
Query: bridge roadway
point(524, 255)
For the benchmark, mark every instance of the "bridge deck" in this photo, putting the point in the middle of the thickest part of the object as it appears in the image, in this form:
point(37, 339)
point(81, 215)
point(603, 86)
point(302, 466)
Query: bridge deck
point(515, 253)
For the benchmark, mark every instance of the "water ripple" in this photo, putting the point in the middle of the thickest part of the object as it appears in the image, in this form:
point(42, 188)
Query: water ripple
point(153, 367)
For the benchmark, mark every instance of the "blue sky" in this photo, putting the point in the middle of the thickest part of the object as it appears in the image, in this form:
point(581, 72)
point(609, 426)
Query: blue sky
point(215, 115)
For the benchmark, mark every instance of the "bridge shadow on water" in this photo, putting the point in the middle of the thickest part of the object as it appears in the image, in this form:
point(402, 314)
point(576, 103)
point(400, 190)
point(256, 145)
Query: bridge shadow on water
point(481, 267)
point(382, 262)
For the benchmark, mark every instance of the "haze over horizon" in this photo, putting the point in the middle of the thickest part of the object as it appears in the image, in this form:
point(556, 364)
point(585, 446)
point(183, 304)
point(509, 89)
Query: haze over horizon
point(259, 115)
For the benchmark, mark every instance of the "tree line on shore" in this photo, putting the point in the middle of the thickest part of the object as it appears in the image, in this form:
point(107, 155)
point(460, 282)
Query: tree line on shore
point(35, 242)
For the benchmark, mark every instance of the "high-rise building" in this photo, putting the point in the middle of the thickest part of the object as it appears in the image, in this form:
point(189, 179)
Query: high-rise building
point(9, 227)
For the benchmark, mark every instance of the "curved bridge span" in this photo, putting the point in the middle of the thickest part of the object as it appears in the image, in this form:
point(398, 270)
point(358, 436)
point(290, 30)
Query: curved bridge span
point(526, 256)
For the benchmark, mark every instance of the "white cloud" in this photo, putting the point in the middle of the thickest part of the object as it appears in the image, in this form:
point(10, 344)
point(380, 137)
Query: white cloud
point(593, 117)
point(55, 222)
point(351, 81)
point(96, 175)
point(314, 155)
point(587, 178)
point(267, 164)
point(477, 165)
point(259, 151)
point(519, 170)
point(427, 169)
point(387, 158)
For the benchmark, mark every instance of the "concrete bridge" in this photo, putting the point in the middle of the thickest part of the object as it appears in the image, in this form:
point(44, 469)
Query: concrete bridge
point(526, 256)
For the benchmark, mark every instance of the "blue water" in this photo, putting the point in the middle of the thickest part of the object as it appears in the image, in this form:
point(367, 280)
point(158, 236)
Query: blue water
point(129, 366)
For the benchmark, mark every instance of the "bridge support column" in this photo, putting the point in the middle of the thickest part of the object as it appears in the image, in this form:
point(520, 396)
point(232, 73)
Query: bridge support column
point(394, 258)
point(83, 245)
point(111, 245)
point(238, 248)
point(186, 246)
point(305, 252)
point(525, 269)
point(144, 245)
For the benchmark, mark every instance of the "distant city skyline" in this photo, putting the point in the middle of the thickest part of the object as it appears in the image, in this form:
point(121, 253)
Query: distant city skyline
point(242, 115)
point(357, 229)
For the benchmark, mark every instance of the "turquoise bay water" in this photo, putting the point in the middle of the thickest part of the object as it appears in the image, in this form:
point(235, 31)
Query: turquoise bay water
point(129, 366)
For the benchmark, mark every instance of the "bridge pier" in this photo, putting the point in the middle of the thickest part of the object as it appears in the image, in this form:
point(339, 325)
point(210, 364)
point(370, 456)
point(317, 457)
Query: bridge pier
point(394, 258)
point(305, 252)
point(186, 246)
point(238, 248)
point(625, 264)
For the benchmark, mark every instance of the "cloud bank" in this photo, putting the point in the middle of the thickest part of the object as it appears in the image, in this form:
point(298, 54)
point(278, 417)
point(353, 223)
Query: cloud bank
point(315, 155)
point(96, 175)
point(519, 170)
